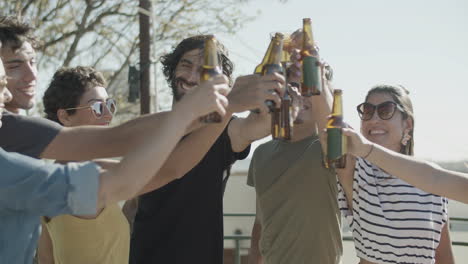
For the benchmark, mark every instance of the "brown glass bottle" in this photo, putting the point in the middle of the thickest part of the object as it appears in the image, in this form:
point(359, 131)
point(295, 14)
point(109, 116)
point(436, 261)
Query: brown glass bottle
point(210, 69)
point(286, 125)
point(336, 141)
point(270, 64)
point(311, 67)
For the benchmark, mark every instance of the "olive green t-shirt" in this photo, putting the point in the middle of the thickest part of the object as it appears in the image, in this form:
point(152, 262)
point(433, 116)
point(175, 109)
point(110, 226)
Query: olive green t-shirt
point(296, 203)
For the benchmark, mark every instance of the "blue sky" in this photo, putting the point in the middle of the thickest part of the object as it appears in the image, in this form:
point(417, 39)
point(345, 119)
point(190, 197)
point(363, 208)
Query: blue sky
point(422, 45)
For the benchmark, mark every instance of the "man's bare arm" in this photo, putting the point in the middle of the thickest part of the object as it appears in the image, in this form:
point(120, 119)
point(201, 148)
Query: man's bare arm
point(91, 142)
point(45, 252)
point(250, 92)
point(147, 157)
point(187, 154)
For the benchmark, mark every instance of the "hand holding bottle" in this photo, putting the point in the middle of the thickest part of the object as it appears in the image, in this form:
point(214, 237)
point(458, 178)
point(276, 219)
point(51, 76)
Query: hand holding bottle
point(251, 91)
point(209, 96)
point(358, 145)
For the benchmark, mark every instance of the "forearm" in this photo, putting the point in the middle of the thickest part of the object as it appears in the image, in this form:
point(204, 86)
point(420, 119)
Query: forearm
point(143, 162)
point(346, 178)
point(422, 174)
point(91, 142)
point(187, 154)
point(244, 131)
point(444, 252)
point(254, 253)
point(45, 253)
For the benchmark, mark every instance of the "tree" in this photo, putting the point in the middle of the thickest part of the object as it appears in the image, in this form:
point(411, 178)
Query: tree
point(104, 34)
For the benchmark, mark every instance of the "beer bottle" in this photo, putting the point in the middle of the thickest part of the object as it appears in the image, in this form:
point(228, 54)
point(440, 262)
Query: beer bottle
point(273, 64)
point(336, 141)
point(259, 68)
point(270, 64)
point(311, 67)
point(286, 119)
point(273, 61)
point(210, 69)
point(286, 124)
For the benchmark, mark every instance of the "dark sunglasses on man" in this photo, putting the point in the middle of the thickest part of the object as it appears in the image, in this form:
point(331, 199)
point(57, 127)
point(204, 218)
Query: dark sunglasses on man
point(385, 110)
point(98, 107)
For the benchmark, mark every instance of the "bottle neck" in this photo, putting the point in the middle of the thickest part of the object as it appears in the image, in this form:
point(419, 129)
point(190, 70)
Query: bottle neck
point(211, 55)
point(337, 109)
point(276, 51)
point(308, 43)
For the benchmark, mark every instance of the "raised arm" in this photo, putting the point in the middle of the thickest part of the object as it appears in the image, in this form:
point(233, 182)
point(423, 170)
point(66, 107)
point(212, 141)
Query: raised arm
point(424, 175)
point(187, 154)
point(145, 160)
point(91, 142)
point(45, 252)
point(250, 92)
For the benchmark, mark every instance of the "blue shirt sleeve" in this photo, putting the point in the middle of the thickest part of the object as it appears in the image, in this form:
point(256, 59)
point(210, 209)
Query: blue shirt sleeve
point(36, 187)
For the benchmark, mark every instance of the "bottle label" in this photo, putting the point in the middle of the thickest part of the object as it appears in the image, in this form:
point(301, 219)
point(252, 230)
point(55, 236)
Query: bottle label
point(312, 83)
point(336, 143)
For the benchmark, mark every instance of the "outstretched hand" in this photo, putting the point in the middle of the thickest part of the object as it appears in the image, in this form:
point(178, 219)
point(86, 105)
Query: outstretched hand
point(358, 145)
point(251, 91)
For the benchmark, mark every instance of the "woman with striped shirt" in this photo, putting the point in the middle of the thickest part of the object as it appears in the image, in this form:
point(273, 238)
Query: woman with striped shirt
point(391, 221)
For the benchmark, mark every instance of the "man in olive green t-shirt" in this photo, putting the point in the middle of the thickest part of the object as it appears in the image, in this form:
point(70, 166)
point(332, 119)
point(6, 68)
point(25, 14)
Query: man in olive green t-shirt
point(298, 219)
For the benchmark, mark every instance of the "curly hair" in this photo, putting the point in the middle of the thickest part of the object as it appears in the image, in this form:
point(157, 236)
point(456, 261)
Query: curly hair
point(401, 96)
point(67, 87)
point(14, 31)
point(170, 60)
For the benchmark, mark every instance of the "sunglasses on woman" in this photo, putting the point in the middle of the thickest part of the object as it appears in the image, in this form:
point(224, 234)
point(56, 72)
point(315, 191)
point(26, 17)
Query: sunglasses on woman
point(98, 107)
point(385, 110)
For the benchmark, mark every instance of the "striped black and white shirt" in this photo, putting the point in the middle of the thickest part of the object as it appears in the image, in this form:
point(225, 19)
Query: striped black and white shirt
point(392, 221)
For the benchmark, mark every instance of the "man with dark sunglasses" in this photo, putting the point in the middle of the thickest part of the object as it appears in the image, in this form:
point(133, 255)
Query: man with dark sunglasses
point(297, 214)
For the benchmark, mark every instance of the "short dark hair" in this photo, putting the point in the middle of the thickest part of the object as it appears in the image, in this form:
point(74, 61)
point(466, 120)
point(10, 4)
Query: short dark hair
point(67, 87)
point(14, 31)
point(170, 60)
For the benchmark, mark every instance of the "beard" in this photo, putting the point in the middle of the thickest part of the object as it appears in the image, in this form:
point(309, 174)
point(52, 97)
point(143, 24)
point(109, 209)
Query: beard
point(177, 90)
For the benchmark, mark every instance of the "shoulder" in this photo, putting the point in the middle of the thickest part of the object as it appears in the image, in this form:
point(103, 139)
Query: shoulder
point(264, 148)
point(14, 121)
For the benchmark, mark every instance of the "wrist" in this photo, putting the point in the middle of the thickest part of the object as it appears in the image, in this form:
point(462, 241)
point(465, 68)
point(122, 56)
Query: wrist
point(369, 151)
point(182, 113)
point(230, 111)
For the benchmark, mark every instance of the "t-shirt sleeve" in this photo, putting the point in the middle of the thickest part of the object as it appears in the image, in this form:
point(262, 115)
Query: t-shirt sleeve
point(251, 173)
point(27, 135)
point(231, 155)
point(31, 185)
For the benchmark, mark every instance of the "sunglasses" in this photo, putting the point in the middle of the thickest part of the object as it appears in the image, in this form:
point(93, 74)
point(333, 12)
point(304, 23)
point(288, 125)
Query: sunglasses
point(98, 107)
point(385, 110)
